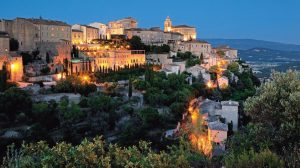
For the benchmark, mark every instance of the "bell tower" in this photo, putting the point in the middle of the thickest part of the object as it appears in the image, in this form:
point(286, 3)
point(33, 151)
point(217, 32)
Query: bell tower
point(168, 25)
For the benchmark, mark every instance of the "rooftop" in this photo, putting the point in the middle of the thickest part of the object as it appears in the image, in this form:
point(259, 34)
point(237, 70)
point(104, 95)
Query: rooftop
point(230, 103)
point(182, 26)
point(46, 22)
point(217, 125)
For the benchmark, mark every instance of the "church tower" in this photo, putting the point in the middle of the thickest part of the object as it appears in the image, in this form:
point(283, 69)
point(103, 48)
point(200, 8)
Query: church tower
point(168, 25)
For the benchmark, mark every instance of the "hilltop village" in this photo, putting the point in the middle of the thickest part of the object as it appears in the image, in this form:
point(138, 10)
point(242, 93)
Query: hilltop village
point(70, 82)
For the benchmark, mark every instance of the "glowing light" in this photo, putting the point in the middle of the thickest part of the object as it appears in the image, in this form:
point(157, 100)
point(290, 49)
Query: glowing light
point(12, 66)
point(85, 78)
point(59, 76)
point(209, 84)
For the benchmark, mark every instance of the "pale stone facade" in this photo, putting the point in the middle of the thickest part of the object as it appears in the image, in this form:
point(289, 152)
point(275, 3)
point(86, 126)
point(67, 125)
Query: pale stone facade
point(77, 36)
point(118, 27)
point(29, 32)
point(115, 59)
point(154, 36)
point(4, 43)
point(196, 47)
point(14, 66)
point(230, 113)
point(102, 29)
point(188, 32)
point(160, 59)
point(217, 132)
point(89, 33)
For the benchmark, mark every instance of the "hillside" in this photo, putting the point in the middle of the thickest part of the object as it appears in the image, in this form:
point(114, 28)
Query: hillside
point(245, 44)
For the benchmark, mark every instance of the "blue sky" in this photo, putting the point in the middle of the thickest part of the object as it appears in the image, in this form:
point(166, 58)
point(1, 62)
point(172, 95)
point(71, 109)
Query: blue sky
point(273, 20)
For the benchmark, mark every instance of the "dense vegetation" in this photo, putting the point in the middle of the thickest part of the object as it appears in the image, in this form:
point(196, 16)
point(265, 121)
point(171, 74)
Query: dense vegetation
point(271, 139)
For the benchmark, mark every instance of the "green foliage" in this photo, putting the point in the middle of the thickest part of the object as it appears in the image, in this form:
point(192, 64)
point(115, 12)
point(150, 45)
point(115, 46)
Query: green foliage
point(130, 88)
point(150, 117)
point(276, 106)
point(185, 56)
point(136, 43)
point(249, 159)
point(70, 111)
point(221, 53)
point(158, 49)
point(14, 101)
point(234, 68)
point(192, 62)
point(253, 136)
point(73, 84)
point(123, 74)
point(96, 153)
point(141, 85)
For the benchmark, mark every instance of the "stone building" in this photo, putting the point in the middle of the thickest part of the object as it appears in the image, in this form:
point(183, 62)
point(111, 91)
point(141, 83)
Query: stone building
point(228, 52)
point(115, 59)
point(188, 32)
point(89, 33)
point(196, 47)
point(154, 36)
point(4, 43)
point(102, 29)
point(77, 36)
point(118, 27)
point(30, 32)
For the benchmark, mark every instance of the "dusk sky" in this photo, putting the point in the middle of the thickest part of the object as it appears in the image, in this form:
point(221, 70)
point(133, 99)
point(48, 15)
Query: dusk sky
point(272, 20)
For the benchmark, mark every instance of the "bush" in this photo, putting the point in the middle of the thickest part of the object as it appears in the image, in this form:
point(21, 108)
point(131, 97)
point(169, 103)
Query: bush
point(249, 159)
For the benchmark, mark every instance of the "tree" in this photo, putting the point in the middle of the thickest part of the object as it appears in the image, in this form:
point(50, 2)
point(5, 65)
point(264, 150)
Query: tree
point(3, 78)
point(150, 117)
point(96, 153)
point(276, 106)
point(136, 43)
point(234, 68)
point(130, 88)
point(13, 44)
point(14, 101)
point(261, 159)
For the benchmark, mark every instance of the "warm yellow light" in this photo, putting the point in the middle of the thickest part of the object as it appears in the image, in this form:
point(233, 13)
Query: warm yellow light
point(59, 76)
point(209, 84)
point(85, 78)
point(12, 66)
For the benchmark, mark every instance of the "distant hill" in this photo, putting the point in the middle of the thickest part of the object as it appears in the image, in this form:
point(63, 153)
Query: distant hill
point(269, 55)
point(246, 44)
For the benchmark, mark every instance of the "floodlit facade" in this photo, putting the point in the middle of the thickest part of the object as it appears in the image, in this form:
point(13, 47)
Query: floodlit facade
point(102, 29)
point(116, 59)
point(188, 32)
point(77, 36)
point(4, 43)
point(154, 36)
point(89, 33)
point(30, 32)
point(118, 27)
point(196, 47)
